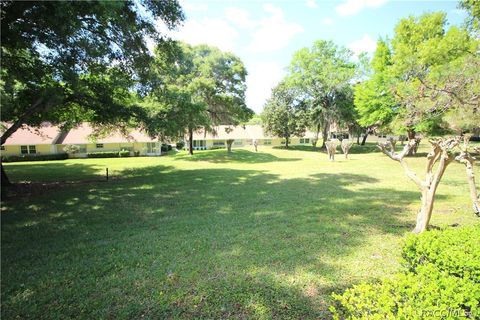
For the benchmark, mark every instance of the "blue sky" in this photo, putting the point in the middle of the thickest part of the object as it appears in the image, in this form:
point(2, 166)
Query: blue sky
point(265, 34)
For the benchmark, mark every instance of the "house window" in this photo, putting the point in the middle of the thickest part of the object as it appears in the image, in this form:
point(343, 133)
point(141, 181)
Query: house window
point(267, 142)
point(304, 140)
point(238, 142)
point(28, 149)
point(199, 143)
point(151, 147)
point(218, 143)
point(283, 142)
point(99, 146)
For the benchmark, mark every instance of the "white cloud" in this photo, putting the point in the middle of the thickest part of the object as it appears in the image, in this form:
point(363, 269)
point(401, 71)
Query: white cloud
point(213, 31)
point(239, 17)
point(273, 32)
point(351, 7)
point(189, 6)
point(311, 4)
point(365, 44)
point(262, 78)
point(327, 21)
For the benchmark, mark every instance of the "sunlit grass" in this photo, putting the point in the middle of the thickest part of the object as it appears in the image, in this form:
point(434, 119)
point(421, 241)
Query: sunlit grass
point(214, 235)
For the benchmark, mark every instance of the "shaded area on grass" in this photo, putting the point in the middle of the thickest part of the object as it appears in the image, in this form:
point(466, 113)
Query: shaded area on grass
point(204, 243)
point(369, 147)
point(237, 155)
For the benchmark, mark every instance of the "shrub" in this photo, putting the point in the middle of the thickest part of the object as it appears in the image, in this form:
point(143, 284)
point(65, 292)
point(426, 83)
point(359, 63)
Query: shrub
point(166, 147)
point(136, 153)
point(71, 148)
point(124, 153)
point(103, 154)
point(217, 147)
point(452, 251)
point(35, 157)
point(440, 280)
point(180, 145)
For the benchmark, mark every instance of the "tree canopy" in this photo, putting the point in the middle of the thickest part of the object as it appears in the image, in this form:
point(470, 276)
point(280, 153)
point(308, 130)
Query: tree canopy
point(202, 87)
point(73, 61)
point(284, 115)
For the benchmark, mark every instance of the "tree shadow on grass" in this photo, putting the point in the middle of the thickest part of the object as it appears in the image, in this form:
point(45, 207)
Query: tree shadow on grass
point(237, 155)
point(204, 243)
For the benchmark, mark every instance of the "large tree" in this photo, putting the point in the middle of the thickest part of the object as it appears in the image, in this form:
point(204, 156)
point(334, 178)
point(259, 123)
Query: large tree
point(72, 61)
point(374, 99)
point(202, 87)
point(438, 88)
point(284, 114)
point(322, 73)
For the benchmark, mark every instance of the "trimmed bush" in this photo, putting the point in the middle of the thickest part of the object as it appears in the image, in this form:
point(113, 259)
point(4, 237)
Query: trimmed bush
point(35, 157)
point(136, 153)
point(452, 251)
point(124, 153)
point(180, 145)
point(103, 154)
point(440, 281)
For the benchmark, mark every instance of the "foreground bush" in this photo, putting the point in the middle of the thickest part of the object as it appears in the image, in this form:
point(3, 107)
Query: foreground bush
point(440, 281)
point(35, 157)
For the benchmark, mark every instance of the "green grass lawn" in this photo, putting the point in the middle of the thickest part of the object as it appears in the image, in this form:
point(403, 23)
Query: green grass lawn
point(214, 235)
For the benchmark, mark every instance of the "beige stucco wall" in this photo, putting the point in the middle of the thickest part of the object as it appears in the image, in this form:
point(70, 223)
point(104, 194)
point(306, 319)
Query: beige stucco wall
point(11, 150)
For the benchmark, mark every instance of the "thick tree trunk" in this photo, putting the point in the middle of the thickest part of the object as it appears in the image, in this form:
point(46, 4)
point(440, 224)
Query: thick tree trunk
point(5, 181)
point(190, 141)
point(358, 139)
point(411, 136)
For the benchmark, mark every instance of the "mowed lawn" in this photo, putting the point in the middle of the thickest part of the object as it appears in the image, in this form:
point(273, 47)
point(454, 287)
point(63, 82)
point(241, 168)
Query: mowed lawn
point(246, 235)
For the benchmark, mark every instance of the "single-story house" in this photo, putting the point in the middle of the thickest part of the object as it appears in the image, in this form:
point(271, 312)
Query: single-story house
point(28, 140)
point(82, 137)
point(243, 135)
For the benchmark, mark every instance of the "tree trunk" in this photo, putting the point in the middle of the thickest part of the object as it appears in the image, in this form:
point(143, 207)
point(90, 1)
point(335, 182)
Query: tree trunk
point(410, 137)
point(358, 139)
point(5, 181)
point(190, 141)
point(286, 142)
point(364, 139)
point(229, 144)
point(472, 187)
point(325, 135)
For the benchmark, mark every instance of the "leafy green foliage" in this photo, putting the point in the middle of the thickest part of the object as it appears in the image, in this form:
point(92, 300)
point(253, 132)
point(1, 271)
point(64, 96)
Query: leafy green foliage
point(374, 100)
point(456, 252)
point(76, 61)
point(442, 278)
point(283, 115)
point(322, 76)
point(199, 87)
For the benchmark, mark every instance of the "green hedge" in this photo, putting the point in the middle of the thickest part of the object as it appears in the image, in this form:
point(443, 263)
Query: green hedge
point(440, 281)
point(35, 157)
point(454, 251)
point(103, 154)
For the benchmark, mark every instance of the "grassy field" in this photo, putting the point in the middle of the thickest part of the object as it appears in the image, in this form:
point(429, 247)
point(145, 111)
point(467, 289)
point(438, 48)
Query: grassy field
point(214, 235)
